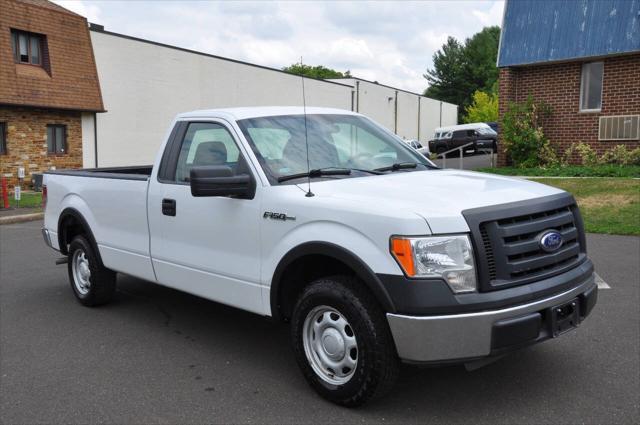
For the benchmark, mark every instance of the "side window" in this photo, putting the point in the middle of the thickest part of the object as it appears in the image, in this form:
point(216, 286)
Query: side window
point(460, 134)
point(27, 47)
point(591, 86)
point(206, 144)
point(56, 139)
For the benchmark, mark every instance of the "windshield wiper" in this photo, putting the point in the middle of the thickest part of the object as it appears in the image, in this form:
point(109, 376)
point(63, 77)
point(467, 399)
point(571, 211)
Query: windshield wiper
point(398, 166)
point(318, 172)
point(362, 170)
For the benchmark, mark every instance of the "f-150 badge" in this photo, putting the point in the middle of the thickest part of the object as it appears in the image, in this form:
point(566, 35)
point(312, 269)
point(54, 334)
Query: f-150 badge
point(277, 216)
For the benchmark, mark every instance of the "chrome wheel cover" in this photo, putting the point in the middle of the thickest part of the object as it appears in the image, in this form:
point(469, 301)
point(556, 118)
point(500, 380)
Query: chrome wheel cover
point(330, 345)
point(81, 272)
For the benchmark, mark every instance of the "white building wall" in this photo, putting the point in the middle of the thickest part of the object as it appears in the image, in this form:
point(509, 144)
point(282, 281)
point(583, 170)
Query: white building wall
point(375, 101)
point(88, 145)
point(429, 118)
point(407, 115)
point(434, 114)
point(145, 85)
point(449, 114)
point(379, 102)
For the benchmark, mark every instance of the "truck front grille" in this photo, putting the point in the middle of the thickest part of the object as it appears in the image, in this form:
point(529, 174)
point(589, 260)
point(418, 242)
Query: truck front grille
point(506, 239)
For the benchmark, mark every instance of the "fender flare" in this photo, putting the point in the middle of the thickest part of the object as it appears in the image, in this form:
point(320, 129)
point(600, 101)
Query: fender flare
point(361, 269)
point(72, 212)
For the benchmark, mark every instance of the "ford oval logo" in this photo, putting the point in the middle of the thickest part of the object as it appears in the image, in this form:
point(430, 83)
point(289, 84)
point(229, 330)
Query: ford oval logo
point(550, 240)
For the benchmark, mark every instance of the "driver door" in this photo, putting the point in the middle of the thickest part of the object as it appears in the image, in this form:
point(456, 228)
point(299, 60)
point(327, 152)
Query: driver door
point(207, 246)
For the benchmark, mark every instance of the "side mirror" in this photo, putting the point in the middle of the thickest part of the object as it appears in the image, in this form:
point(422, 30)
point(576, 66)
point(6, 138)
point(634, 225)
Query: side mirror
point(219, 180)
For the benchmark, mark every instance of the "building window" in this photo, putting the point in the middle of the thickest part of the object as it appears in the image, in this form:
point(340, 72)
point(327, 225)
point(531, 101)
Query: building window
point(591, 86)
point(56, 138)
point(27, 47)
point(3, 138)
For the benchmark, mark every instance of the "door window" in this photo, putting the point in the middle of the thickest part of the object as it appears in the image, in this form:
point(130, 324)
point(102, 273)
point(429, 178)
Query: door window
point(460, 134)
point(206, 144)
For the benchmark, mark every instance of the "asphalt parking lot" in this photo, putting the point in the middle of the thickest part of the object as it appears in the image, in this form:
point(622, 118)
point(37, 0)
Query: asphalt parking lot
point(156, 355)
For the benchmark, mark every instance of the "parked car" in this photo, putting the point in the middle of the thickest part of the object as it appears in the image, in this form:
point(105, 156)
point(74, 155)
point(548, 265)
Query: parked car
point(323, 219)
point(479, 134)
point(415, 144)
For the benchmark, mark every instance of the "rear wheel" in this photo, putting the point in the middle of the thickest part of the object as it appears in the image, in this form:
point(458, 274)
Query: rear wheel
point(342, 342)
point(92, 283)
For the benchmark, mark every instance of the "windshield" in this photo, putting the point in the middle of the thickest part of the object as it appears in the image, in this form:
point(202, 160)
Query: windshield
point(335, 141)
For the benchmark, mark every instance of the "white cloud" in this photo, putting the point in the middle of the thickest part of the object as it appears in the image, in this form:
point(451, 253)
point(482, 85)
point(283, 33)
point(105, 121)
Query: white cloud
point(390, 42)
point(89, 11)
point(491, 17)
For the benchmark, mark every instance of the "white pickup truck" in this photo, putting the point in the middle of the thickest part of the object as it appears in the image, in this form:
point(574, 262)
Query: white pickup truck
point(324, 219)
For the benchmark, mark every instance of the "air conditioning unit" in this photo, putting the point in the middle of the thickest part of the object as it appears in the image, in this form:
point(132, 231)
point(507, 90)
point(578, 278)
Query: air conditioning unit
point(621, 127)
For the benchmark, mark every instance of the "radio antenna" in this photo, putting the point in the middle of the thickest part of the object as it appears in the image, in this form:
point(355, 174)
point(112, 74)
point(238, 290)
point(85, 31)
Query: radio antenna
point(306, 136)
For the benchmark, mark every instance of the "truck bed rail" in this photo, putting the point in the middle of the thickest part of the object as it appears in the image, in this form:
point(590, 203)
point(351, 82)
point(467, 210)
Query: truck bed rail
point(122, 173)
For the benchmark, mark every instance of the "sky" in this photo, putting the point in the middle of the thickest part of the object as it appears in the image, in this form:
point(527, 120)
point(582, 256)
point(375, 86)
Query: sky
point(389, 42)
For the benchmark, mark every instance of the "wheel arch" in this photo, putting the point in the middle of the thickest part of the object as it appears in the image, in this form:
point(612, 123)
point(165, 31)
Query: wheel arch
point(71, 223)
point(334, 255)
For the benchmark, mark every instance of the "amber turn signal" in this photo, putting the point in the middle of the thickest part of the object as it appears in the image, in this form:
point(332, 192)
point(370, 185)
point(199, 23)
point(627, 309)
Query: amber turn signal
point(401, 250)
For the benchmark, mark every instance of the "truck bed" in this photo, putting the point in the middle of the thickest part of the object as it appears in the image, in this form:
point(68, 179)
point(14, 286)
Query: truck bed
point(113, 201)
point(141, 172)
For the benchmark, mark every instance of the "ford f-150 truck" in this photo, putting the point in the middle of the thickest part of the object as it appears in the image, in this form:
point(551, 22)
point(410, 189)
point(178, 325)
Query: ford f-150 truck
point(324, 219)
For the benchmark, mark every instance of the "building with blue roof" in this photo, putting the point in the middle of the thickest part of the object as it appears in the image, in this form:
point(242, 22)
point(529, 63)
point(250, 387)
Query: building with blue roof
point(580, 57)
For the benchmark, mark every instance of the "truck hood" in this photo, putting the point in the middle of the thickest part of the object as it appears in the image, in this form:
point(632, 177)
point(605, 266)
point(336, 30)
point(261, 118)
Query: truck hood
point(439, 196)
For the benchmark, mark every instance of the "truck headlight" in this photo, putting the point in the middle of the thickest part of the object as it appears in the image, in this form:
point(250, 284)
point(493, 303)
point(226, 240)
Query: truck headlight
point(445, 257)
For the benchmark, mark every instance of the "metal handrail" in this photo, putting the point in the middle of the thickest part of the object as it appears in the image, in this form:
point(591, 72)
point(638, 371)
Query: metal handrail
point(461, 149)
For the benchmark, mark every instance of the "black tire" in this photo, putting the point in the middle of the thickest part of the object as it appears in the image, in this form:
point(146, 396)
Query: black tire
point(102, 280)
point(377, 362)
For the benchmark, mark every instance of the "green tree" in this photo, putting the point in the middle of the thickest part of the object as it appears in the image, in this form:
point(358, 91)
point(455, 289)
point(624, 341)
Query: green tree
point(484, 108)
point(446, 79)
point(317, 71)
point(459, 70)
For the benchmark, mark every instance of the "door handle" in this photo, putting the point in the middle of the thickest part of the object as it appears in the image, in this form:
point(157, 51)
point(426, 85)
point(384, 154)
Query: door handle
point(169, 207)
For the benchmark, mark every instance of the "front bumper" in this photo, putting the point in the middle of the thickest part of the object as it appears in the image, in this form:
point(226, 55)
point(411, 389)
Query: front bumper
point(469, 336)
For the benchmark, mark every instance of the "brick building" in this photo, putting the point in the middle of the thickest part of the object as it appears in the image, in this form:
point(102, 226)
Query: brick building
point(581, 58)
point(49, 89)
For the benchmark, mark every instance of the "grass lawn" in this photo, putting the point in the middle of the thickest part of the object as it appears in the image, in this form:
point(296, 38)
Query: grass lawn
point(608, 205)
point(29, 200)
point(609, 170)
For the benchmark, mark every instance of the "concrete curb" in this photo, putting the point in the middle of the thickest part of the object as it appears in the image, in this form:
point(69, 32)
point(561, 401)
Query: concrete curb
point(21, 218)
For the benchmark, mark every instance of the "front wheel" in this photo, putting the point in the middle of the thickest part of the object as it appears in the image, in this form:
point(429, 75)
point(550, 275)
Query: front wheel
point(342, 342)
point(92, 283)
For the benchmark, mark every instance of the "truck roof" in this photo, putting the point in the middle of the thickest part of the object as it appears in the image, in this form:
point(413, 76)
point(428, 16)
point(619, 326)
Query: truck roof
point(471, 126)
point(261, 111)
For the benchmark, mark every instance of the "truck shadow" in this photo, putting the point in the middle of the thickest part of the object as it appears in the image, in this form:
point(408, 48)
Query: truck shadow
point(261, 348)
